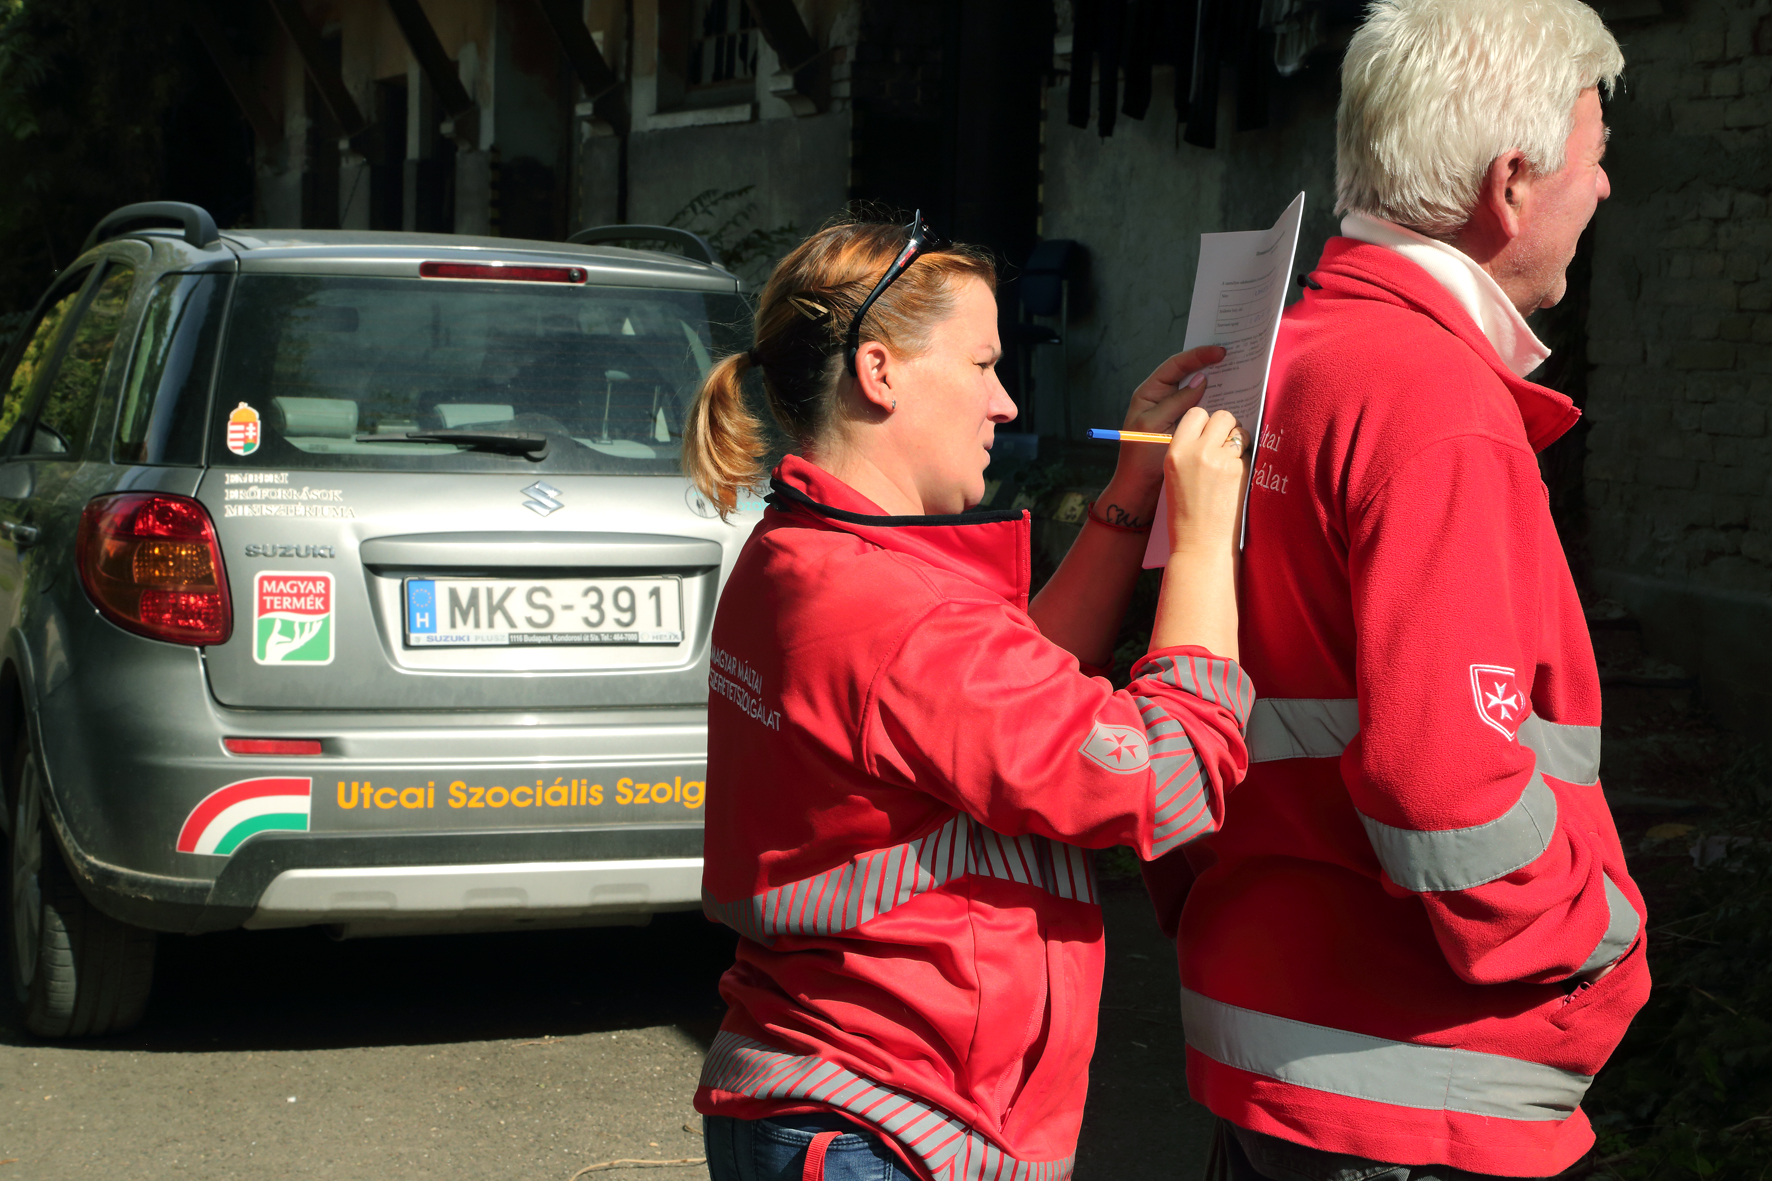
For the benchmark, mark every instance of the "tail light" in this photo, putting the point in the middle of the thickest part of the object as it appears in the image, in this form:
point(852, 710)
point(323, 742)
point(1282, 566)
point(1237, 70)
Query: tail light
point(150, 563)
point(273, 746)
point(504, 271)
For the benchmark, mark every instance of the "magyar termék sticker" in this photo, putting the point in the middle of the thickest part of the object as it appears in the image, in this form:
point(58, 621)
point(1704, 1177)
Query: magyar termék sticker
point(243, 430)
point(292, 618)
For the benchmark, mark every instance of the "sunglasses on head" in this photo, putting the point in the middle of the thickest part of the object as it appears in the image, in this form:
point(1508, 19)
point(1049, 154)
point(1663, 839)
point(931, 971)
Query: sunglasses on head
point(922, 240)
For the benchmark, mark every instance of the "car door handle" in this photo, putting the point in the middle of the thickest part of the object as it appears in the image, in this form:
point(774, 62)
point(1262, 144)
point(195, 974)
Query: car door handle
point(21, 535)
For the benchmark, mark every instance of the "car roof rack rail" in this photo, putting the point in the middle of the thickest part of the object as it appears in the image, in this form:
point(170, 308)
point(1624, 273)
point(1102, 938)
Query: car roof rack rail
point(693, 244)
point(199, 227)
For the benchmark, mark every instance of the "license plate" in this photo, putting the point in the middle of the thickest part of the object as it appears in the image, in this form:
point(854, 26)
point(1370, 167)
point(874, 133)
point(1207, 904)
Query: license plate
point(485, 612)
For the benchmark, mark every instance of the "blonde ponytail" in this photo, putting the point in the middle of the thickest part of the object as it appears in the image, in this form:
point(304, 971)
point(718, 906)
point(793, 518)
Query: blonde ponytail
point(722, 440)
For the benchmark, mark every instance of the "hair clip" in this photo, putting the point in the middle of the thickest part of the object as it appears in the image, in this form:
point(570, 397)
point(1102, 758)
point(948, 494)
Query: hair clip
point(811, 309)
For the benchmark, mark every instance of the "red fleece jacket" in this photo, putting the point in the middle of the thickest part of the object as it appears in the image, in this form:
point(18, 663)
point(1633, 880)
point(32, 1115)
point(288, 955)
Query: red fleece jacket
point(1389, 947)
point(904, 778)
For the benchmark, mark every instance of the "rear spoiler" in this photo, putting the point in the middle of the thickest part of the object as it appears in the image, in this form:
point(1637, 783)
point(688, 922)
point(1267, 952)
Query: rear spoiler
point(692, 244)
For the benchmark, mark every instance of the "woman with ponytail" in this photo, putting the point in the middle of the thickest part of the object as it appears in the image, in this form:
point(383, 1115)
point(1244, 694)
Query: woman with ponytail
point(908, 762)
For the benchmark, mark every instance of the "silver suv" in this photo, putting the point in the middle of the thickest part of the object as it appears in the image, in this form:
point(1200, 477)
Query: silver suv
point(348, 579)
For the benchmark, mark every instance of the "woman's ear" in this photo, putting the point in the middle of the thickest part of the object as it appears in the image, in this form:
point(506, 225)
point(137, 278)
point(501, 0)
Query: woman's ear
point(875, 372)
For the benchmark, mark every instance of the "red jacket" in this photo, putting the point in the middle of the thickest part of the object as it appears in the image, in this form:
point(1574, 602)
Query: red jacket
point(904, 778)
point(1387, 947)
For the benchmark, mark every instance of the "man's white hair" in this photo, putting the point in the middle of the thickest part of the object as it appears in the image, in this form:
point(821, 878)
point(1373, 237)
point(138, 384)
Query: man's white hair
point(1433, 91)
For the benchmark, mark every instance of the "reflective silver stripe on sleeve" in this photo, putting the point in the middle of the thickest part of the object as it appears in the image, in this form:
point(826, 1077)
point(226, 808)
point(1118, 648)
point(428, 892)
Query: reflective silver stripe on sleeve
point(1460, 858)
point(848, 895)
point(1621, 930)
point(1182, 797)
point(1181, 811)
point(946, 1147)
point(1214, 679)
point(1401, 1074)
point(1301, 727)
point(1569, 753)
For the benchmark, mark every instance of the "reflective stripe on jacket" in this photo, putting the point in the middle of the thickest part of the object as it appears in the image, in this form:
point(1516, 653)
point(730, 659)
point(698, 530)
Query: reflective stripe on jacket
point(1389, 948)
point(904, 782)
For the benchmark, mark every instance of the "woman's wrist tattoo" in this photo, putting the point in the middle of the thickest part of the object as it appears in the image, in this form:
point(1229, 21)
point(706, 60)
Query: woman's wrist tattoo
point(1115, 515)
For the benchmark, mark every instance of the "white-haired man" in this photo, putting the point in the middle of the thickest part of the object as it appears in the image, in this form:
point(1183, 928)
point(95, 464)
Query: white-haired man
point(1415, 940)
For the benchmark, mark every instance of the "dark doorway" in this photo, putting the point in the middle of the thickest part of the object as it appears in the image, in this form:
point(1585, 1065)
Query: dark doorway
point(319, 188)
point(947, 119)
point(386, 151)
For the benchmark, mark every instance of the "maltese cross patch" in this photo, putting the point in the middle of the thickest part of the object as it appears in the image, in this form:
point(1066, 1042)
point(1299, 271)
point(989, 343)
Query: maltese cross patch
point(1500, 703)
point(1121, 749)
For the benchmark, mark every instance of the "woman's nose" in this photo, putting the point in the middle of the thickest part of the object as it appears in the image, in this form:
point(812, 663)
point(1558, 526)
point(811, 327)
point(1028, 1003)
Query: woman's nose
point(1002, 408)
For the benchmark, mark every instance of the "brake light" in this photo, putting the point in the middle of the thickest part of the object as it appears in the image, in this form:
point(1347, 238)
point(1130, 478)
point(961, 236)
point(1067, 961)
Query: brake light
point(507, 272)
point(272, 746)
point(150, 563)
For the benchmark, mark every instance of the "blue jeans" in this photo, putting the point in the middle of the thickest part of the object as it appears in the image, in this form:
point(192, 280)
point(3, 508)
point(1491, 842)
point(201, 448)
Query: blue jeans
point(1242, 1155)
point(775, 1150)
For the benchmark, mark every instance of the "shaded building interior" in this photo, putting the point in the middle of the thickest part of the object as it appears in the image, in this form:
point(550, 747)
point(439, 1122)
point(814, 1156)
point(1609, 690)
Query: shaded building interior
point(1088, 143)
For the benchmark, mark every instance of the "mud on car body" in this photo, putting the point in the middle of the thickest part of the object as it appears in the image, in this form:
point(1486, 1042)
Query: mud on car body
point(348, 579)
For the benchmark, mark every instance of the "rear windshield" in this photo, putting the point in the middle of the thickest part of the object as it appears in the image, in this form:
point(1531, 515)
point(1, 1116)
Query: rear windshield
point(324, 372)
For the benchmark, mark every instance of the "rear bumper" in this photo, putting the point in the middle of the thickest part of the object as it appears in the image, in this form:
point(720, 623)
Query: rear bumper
point(395, 899)
point(431, 881)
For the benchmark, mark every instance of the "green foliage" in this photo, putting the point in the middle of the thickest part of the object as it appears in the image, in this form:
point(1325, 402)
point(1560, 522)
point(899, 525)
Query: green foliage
point(720, 217)
point(1118, 865)
point(1689, 1092)
point(36, 352)
point(85, 87)
point(73, 395)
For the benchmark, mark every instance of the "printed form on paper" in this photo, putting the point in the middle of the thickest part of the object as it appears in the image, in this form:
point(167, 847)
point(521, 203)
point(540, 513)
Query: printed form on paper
point(1240, 289)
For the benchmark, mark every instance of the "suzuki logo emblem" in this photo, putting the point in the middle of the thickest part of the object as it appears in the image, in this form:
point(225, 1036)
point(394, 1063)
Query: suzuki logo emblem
point(543, 499)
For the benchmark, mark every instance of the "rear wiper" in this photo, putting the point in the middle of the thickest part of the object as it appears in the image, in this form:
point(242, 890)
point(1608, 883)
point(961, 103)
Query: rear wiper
point(524, 443)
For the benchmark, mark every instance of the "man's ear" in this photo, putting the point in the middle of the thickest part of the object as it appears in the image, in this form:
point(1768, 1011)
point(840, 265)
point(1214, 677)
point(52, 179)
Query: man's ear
point(875, 373)
point(1506, 187)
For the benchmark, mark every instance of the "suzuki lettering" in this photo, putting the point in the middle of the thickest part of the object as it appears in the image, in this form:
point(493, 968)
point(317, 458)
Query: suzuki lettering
point(292, 618)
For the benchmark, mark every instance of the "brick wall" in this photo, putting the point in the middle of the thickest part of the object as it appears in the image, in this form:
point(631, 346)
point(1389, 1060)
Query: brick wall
point(1679, 466)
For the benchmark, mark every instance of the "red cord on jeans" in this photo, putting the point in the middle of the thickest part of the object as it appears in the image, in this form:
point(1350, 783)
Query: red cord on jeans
point(814, 1170)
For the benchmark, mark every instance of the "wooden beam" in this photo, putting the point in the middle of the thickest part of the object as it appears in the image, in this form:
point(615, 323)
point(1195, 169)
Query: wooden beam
point(327, 80)
point(235, 74)
point(786, 32)
point(427, 51)
point(579, 48)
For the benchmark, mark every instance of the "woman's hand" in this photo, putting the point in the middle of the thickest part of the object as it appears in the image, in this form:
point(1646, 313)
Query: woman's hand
point(1204, 470)
point(1157, 406)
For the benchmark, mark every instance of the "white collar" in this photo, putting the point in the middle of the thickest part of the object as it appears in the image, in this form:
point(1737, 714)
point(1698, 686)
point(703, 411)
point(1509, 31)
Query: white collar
point(1473, 287)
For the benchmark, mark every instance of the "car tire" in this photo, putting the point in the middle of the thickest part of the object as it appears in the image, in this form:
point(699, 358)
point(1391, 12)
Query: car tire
point(75, 971)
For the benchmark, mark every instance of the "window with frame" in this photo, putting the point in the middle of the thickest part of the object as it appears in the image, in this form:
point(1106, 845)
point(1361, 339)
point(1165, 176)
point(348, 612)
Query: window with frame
point(722, 45)
point(39, 348)
point(707, 51)
point(64, 421)
point(166, 390)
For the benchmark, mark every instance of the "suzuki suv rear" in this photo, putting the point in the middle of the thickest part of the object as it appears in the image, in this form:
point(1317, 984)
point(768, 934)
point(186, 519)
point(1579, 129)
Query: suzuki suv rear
point(349, 579)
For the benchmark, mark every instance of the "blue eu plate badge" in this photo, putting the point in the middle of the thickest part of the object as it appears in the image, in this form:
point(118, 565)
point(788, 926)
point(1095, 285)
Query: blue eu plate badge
point(421, 606)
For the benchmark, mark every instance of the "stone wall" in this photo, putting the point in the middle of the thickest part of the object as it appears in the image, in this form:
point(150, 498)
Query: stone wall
point(1679, 467)
point(1139, 200)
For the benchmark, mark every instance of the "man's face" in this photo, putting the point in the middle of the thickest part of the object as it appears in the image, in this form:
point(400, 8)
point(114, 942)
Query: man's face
point(1555, 208)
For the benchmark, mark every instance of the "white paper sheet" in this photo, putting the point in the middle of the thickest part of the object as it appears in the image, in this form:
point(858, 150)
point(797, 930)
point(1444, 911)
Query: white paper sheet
point(1240, 289)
